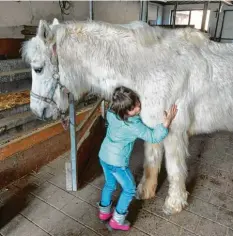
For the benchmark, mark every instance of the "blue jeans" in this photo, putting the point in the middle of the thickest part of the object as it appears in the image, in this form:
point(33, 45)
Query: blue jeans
point(124, 177)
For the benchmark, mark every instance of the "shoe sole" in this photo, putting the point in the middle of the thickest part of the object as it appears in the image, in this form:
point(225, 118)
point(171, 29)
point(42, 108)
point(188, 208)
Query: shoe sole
point(112, 229)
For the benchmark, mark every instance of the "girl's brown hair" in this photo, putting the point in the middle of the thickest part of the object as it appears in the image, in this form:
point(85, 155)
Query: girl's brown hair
point(123, 100)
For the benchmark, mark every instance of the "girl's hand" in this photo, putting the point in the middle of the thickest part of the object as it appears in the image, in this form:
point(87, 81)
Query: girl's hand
point(169, 116)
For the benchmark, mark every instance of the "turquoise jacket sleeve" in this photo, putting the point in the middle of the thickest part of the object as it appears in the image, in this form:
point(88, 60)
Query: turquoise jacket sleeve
point(155, 135)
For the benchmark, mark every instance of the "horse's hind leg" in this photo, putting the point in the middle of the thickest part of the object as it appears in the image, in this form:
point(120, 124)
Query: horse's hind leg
point(176, 145)
point(153, 158)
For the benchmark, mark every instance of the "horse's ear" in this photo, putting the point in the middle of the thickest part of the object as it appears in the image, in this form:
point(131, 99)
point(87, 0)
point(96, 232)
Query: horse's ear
point(44, 32)
point(55, 21)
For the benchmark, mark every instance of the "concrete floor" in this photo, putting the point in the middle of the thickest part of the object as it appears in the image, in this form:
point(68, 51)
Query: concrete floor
point(38, 205)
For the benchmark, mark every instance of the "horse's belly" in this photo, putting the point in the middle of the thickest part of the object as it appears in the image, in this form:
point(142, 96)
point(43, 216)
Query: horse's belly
point(151, 115)
point(213, 114)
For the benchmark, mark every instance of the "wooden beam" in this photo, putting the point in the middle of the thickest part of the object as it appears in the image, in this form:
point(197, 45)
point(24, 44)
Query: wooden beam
point(41, 135)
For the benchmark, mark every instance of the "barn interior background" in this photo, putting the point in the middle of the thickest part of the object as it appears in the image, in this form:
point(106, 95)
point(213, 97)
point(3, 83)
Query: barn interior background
point(19, 20)
point(21, 134)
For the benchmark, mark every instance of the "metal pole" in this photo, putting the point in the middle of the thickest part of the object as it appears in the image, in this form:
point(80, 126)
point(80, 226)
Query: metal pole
point(220, 36)
point(91, 11)
point(174, 15)
point(157, 15)
point(140, 12)
point(144, 11)
point(73, 141)
point(204, 16)
point(216, 28)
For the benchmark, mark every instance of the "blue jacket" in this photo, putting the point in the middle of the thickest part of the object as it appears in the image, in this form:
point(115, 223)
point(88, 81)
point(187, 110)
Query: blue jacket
point(118, 143)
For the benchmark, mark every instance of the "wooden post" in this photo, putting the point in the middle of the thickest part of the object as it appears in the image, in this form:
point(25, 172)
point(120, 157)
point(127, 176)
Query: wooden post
point(204, 16)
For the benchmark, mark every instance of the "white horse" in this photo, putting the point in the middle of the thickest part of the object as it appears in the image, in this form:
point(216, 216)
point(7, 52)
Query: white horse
point(179, 66)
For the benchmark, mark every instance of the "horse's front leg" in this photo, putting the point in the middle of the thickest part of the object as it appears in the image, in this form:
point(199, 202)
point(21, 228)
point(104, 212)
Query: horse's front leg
point(153, 158)
point(176, 146)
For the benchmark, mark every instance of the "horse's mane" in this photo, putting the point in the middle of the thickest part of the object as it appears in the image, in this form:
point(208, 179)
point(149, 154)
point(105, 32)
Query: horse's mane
point(139, 32)
point(136, 33)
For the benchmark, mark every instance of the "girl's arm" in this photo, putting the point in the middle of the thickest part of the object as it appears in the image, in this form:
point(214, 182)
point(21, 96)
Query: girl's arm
point(157, 134)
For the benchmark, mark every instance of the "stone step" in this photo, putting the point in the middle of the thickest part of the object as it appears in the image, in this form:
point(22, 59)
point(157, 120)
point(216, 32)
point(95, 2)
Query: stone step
point(14, 110)
point(17, 102)
point(24, 123)
point(16, 86)
point(14, 75)
point(12, 64)
point(17, 125)
point(16, 120)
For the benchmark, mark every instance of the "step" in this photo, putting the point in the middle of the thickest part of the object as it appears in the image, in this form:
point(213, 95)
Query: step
point(14, 110)
point(12, 64)
point(16, 102)
point(24, 123)
point(16, 86)
point(16, 120)
point(13, 70)
point(14, 75)
point(15, 116)
point(17, 125)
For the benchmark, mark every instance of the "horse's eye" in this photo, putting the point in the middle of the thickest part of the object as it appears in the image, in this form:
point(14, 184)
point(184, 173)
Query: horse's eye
point(38, 70)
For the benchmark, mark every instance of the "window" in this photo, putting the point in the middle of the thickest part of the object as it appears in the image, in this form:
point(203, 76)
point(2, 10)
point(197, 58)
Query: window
point(190, 17)
point(182, 17)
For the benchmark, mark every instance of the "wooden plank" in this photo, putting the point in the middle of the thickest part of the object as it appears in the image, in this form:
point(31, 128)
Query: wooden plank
point(88, 160)
point(40, 154)
point(41, 135)
point(10, 47)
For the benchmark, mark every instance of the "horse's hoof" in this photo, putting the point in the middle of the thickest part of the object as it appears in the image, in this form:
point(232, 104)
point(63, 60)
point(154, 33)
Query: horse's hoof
point(174, 206)
point(143, 193)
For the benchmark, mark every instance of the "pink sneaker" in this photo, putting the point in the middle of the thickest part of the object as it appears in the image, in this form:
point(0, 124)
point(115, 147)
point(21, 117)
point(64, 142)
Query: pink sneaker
point(105, 213)
point(118, 222)
point(104, 216)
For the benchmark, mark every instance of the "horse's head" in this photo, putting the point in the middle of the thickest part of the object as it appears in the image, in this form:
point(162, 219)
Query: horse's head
point(48, 98)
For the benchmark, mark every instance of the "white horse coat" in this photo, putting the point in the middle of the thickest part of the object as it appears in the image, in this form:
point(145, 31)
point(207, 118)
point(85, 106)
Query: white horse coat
point(179, 66)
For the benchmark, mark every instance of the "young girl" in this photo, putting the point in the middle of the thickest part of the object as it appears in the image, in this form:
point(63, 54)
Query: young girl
point(124, 127)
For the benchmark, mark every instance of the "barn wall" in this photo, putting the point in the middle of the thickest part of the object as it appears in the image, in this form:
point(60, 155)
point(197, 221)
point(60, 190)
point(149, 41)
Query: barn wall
point(125, 11)
point(13, 14)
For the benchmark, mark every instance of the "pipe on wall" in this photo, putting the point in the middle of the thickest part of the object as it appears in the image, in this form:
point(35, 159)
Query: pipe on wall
point(144, 11)
point(91, 9)
point(216, 27)
point(174, 15)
